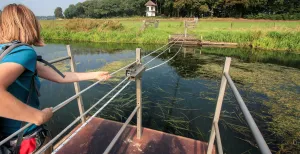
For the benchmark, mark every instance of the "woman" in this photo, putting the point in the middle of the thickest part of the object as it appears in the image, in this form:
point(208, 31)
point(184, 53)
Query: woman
point(19, 67)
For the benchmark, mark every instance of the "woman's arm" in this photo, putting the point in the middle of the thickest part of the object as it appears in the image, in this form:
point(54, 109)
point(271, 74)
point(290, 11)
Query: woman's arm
point(49, 74)
point(10, 106)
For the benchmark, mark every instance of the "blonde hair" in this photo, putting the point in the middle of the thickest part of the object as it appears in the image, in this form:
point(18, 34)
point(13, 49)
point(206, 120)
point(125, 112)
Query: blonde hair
point(17, 22)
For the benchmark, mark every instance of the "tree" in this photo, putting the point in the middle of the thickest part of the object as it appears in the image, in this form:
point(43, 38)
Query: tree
point(204, 8)
point(58, 13)
point(184, 8)
point(70, 12)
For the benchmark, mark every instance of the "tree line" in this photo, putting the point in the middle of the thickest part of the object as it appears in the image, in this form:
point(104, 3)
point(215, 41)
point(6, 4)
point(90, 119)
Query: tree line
point(277, 9)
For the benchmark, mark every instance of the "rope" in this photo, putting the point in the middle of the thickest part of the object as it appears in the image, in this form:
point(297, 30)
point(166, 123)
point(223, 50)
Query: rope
point(44, 148)
point(165, 61)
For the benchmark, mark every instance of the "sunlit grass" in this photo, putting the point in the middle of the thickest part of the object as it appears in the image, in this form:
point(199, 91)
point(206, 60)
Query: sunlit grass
point(261, 34)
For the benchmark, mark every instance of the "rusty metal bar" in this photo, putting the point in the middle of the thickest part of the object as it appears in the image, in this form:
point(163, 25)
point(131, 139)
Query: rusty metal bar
point(113, 142)
point(219, 105)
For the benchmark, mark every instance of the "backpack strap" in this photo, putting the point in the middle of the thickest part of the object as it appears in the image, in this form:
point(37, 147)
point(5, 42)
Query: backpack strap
point(40, 59)
point(14, 44)
point(9, 47)
point(16, 149)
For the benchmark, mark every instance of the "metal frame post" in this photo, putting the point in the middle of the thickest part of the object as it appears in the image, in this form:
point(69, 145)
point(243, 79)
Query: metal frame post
point(219, 105)
point(139, 96)
point(76, 85)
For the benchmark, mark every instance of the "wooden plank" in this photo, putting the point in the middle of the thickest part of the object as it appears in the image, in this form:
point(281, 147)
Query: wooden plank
point(139, 97)
point(76, 84)
point(219, 105)
point(96, 136)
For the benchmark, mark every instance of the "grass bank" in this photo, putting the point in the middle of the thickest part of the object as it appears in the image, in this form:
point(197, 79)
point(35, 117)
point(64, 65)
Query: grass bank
point(275, 35)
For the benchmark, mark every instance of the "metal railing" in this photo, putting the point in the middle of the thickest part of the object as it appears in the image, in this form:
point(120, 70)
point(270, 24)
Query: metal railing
point(77, 89)
point(215, 133)
point(77, 96)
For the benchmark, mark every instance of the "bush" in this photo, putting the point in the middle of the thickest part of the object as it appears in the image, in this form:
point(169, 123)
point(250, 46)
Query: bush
point(285, 16)
point(82, 24)
point(90, 24)
point(112, 25)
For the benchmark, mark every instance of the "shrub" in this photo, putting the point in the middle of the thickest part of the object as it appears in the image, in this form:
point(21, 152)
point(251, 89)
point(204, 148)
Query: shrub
point(285, 16)
point(82, 24)
point(112, 25)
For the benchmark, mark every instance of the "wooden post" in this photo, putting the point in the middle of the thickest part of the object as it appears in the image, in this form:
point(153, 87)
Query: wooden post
point(219, 105)
point(139, 97)
point(76, 84)
point(231, 25)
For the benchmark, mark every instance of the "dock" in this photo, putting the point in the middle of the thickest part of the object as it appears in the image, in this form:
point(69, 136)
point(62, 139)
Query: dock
point(95, 137)
point(192, 40)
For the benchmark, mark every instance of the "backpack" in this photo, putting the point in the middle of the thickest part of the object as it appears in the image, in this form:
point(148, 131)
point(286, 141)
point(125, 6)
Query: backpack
point(6, 50)
point(14, 44)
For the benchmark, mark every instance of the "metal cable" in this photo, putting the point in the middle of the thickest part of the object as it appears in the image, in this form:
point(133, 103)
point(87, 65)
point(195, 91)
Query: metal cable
point(165, 61)
point(155, 50)
point(44, 148)
point(161, 53)
point(59, 106)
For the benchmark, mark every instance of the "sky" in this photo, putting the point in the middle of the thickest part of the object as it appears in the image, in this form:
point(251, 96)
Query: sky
point(41, 7)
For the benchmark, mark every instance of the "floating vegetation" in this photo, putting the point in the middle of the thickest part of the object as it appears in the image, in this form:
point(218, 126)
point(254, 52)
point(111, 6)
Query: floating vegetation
point(279, 84)
point(62, 66)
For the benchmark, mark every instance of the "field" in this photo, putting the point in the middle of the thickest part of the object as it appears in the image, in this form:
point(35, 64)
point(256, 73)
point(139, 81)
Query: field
point(264, 34)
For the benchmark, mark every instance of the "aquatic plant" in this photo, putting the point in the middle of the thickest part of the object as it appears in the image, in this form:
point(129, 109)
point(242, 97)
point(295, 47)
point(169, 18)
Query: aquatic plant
point(280, 85)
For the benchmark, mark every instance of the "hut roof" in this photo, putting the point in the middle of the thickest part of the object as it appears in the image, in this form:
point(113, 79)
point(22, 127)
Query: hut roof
point(150, 3)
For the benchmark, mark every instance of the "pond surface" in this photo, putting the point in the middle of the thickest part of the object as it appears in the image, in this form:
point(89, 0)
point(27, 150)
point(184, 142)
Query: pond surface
point(178, 97)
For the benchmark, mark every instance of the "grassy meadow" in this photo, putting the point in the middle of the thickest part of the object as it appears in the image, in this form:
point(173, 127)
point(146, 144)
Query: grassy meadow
point(264, 34)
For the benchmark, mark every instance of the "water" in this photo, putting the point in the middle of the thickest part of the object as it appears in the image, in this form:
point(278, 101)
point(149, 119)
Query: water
point(177, 97)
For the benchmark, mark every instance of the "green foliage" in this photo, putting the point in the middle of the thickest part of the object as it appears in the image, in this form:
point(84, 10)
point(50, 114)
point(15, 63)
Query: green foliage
point(71, 12)
point(284, 36)
point(58, 13)
point(76, 25)
point(204, 8)
point(260, 9)
point(82, 25)
point(285, 16)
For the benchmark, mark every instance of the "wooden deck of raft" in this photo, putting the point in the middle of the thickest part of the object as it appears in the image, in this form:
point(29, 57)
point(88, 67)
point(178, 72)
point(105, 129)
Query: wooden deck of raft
point(191, 40)
point(96, 136)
